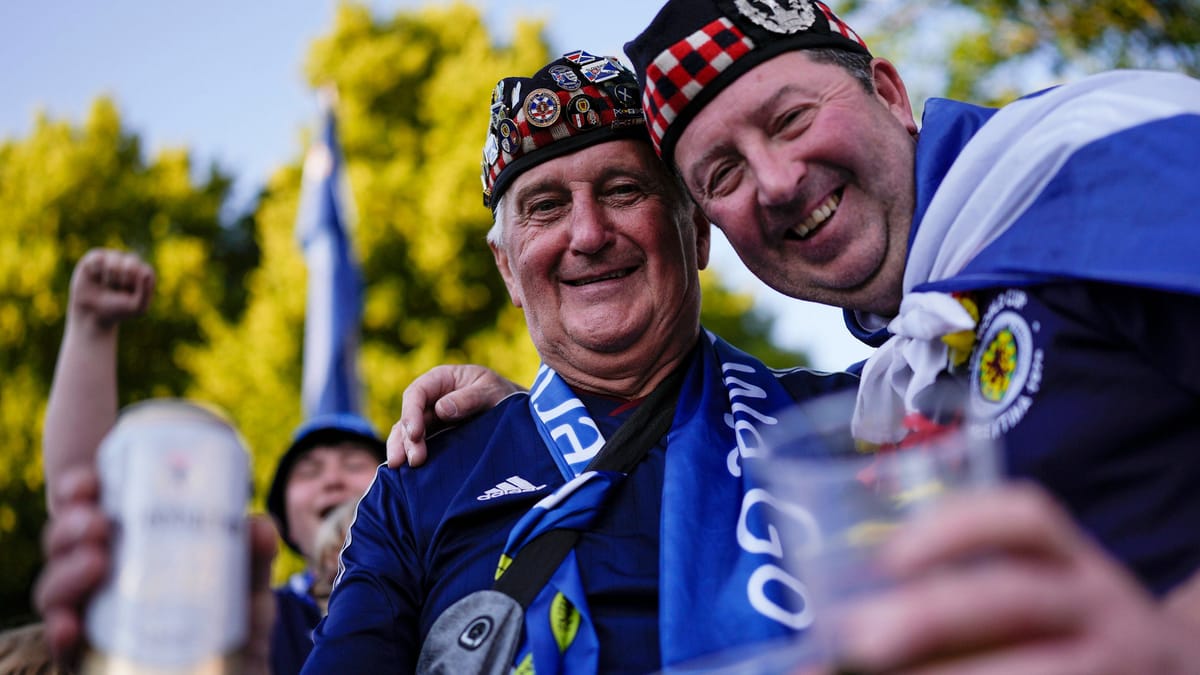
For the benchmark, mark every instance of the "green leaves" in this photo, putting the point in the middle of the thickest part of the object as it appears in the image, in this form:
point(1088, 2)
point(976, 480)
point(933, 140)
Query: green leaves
point(992, 50)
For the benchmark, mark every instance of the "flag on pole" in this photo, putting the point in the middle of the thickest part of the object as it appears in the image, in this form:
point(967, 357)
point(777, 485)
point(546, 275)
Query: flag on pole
point(334, 308)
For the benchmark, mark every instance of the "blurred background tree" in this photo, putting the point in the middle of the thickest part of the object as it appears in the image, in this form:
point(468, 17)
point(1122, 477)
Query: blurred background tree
point(227, 323)
point(991, 51)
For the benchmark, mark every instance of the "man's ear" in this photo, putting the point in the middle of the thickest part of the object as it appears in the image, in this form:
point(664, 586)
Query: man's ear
point(510, 283)
point(703, 237)
point(891, 91)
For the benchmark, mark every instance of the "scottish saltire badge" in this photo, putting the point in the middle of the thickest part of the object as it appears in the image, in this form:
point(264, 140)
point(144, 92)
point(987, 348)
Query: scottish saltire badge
point(624, 94)
point(542, 108)
point(600, 71)
point(580, 57)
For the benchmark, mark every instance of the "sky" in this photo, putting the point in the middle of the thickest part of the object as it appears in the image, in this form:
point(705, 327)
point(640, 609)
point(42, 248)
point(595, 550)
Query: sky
point(224, 79)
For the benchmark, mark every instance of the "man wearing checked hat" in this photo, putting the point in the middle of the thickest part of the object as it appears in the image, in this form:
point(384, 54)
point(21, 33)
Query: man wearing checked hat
point(1042, 256)
point(599, 245)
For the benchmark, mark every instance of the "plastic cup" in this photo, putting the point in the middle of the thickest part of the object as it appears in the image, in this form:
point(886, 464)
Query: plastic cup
point(836, 502)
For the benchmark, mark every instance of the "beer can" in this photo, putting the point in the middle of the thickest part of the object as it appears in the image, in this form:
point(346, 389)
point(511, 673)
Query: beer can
point(175, 481)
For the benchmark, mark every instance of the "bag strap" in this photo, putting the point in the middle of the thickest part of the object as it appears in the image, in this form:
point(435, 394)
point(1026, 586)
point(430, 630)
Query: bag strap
point(537, 561)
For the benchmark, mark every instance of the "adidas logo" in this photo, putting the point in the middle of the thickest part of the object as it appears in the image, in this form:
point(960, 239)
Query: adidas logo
point(510, 486)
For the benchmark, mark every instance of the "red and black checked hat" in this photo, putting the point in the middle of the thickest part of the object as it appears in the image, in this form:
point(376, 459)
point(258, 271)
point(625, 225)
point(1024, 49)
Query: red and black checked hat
point(695, 48)
point(573, 102)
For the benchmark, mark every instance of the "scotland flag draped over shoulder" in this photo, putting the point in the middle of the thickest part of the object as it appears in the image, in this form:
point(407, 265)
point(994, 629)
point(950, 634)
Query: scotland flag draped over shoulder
point(334, 306)
point(1091, 181)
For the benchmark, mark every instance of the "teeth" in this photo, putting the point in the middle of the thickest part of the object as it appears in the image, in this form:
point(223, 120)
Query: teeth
point(818, 217)
point(592, 280)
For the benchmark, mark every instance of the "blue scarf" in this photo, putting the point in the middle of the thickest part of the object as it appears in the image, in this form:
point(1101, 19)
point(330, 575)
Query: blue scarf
point(719, 558)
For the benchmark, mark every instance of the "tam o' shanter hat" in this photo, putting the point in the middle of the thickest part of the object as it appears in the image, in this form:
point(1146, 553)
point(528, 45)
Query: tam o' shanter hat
point(575, 101)
point(694, 49)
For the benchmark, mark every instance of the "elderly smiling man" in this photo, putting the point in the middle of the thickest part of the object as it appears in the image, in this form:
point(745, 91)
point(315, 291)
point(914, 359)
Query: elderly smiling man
point(599, 245)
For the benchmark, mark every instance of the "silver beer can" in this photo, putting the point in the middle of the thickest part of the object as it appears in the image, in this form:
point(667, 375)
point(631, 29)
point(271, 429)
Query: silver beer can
point(175, 481)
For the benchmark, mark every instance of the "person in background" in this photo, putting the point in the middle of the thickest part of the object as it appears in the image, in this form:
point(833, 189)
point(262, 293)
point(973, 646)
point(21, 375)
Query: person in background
point(598, 244)
point(107, 288)
point(328, 466)
point(999, 249)
point(330, 461)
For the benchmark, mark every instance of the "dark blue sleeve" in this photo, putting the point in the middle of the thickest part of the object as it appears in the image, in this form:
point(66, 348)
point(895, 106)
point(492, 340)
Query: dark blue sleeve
point(373, 611)
point(1160, 325)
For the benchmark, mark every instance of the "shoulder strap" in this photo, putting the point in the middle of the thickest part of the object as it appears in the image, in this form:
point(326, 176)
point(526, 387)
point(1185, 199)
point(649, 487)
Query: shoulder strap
point(536, 562)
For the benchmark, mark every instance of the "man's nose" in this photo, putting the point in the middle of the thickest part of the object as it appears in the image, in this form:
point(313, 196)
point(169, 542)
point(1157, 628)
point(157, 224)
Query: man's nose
point(591, 229)
point(778, 175)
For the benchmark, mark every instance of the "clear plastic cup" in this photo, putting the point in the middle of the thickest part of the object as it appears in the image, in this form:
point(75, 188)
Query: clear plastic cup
point(836, 502)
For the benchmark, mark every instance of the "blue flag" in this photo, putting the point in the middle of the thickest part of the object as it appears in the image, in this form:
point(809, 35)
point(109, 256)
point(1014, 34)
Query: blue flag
point(334, 309)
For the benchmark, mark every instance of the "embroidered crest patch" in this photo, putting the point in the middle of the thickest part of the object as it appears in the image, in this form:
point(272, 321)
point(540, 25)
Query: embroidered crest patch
point(1006, 368)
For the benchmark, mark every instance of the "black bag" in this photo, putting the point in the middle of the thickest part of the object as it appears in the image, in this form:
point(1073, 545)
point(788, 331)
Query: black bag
point(482, 632)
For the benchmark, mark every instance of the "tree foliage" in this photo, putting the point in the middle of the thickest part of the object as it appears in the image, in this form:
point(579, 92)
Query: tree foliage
point(994, 50)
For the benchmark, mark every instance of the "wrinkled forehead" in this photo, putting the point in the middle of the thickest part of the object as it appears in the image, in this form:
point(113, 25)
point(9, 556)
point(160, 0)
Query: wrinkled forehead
point(592, 166)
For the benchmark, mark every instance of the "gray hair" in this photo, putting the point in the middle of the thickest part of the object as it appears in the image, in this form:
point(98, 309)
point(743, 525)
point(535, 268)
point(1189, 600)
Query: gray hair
point(858, 65)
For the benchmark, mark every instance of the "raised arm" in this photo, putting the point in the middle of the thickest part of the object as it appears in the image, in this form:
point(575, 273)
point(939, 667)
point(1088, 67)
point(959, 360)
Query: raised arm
point(440, 397)
point(107, 287)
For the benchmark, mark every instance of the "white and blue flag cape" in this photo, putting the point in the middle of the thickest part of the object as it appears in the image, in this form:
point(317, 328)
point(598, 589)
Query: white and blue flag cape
point(1094, 181)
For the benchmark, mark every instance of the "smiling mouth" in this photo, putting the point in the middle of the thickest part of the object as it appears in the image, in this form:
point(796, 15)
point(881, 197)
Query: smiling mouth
point(816, 219)
point(618, 274)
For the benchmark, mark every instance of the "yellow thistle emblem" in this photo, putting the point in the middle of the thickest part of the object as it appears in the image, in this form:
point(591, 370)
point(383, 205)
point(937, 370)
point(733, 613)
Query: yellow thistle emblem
point(962, 342)
point(997, 365)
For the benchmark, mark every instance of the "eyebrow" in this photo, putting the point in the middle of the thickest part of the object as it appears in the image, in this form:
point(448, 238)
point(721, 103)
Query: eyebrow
point(527, 191)
point(715, 151)
point(642, 175)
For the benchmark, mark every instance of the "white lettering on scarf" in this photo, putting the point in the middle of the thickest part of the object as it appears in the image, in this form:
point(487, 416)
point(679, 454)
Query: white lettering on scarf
point(749, 441)
point(562, 421)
